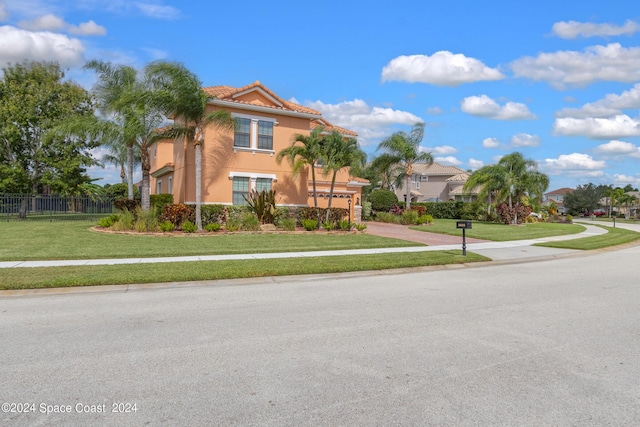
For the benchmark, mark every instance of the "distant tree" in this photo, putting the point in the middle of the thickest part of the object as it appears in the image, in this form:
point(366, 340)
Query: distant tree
point(34, 99)
point(627, 200)
point(404, 150)
point(628, 188)
point(585, 198)
point(613, 194)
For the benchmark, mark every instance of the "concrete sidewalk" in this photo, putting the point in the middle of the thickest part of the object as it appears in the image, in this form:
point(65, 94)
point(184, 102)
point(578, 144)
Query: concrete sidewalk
point(497, 251)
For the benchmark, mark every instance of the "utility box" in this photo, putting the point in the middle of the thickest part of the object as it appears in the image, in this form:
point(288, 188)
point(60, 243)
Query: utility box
point(463, 224)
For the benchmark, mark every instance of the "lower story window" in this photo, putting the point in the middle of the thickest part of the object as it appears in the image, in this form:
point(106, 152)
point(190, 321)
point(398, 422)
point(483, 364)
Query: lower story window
point(159, 187)
point(240, 190)
point(263, 184)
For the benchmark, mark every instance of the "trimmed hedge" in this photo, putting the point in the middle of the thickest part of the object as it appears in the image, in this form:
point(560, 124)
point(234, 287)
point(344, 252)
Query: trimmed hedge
point(382, 200)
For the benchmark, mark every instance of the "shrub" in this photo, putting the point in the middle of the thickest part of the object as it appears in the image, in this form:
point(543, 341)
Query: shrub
point(167, 226)
point(189, 227)
point(569, 218)
point(288, 224)
point(366, 210)
point(424, 219)
point(250, 222)
point(310, 213)
point(233, 224)
point(108, 221)
point(212, 214)
point(507, 214)
point(345, 225)
point(396, 210)
point(409, 217)
point(177, 214)
point(387, 217)
point(263, 205)
point(159, 201)
point(328, 225)
point(309, 224)
point(121, 191)
point(474, 211)
point(128, 204)
point(450, 209)
point(382, 200)
point(420, 209)
point(146, 221)
point(125, 221)
point(213, 226)
point(361, 227)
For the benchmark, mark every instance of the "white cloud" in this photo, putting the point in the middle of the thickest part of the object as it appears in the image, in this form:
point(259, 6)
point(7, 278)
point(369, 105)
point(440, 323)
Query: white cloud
point(525, 140)
point(371, 123)
point(574, 29)
point(475, 164)
point(441, 150)
point(618, 126)
point(434, 110)
point(48, 22)
point(572, 68)
point(51, 22)
point(618, 148)
point(574, 163)
point(610, 105)
point(447, 160)
point(88, 28)
point(157, 54)
point(443, 68)
point(483, 106)
point(491, 143)
point(622, 180)
point(17, 45)
point(158, 11)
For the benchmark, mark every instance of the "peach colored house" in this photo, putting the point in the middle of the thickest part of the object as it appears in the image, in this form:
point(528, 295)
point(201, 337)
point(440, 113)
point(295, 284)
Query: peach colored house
point(235, 162)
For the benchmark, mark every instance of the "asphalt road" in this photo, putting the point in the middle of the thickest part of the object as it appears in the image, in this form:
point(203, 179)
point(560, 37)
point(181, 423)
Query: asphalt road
point(554, 342)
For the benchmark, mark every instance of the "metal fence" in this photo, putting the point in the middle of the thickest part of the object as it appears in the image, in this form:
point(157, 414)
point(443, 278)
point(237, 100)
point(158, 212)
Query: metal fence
point(46, 207)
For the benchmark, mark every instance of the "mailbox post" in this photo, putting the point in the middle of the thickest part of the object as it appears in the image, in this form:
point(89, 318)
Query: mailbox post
point(464, 225)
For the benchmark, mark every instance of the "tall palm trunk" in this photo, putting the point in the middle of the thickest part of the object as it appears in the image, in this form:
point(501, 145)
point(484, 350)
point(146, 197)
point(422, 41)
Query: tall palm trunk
point(130, 171)
point(408, 185)
point(145, 203)
point(198, 152)
point(313, 182)
point(333, 183)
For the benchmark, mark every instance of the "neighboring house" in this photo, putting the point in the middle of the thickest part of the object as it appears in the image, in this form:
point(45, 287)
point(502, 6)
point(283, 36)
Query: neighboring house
point(236, 162)
point(436, 183)
point(558, 197)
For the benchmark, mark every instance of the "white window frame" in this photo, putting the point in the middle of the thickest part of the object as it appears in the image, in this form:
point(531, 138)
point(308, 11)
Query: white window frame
point(253, 136)
point(170, 184)
point(159, 186)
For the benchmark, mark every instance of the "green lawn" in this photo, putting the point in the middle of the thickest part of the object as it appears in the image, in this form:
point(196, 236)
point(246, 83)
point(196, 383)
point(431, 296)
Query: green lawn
point(32, 278)
point(74, 240)
point(501, 232)
point(614, 237)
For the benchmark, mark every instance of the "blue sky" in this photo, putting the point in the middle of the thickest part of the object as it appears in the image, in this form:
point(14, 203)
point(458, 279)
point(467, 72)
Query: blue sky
point(558, 81)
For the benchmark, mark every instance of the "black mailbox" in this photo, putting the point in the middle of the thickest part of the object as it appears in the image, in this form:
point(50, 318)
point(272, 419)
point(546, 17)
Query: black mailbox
point(463, 224)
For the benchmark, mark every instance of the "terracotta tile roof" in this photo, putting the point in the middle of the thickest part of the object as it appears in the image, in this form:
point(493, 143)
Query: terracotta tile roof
point(330, 127)
point(436, 169)
point(564, 190)
point(461, 177)
point(459, 192)
point(228, 93)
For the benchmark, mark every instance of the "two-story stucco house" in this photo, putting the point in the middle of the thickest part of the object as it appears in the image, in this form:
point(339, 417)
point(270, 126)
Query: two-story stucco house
point(436, 183)
point(557, 196)
point(235, 162)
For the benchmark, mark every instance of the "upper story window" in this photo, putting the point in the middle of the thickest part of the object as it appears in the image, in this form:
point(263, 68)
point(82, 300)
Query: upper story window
point(242, 137)
point(254, 133)
point(265, 135)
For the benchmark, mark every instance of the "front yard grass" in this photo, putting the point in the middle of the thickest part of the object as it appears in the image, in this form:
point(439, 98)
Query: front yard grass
point(500, 232)
point(31, 241)
point(52, 277)
point(614, 237)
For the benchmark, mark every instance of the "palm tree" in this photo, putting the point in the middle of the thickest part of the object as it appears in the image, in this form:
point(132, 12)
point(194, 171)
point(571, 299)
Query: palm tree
point(187, 102)
point(488, 180)
point(389, 173)
point(113, 81)
point(338, 154)
point(627, 200)
point(514, 177)
point(404, 149)
point(614, 195)
point(117, 156)
point(304, 151)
